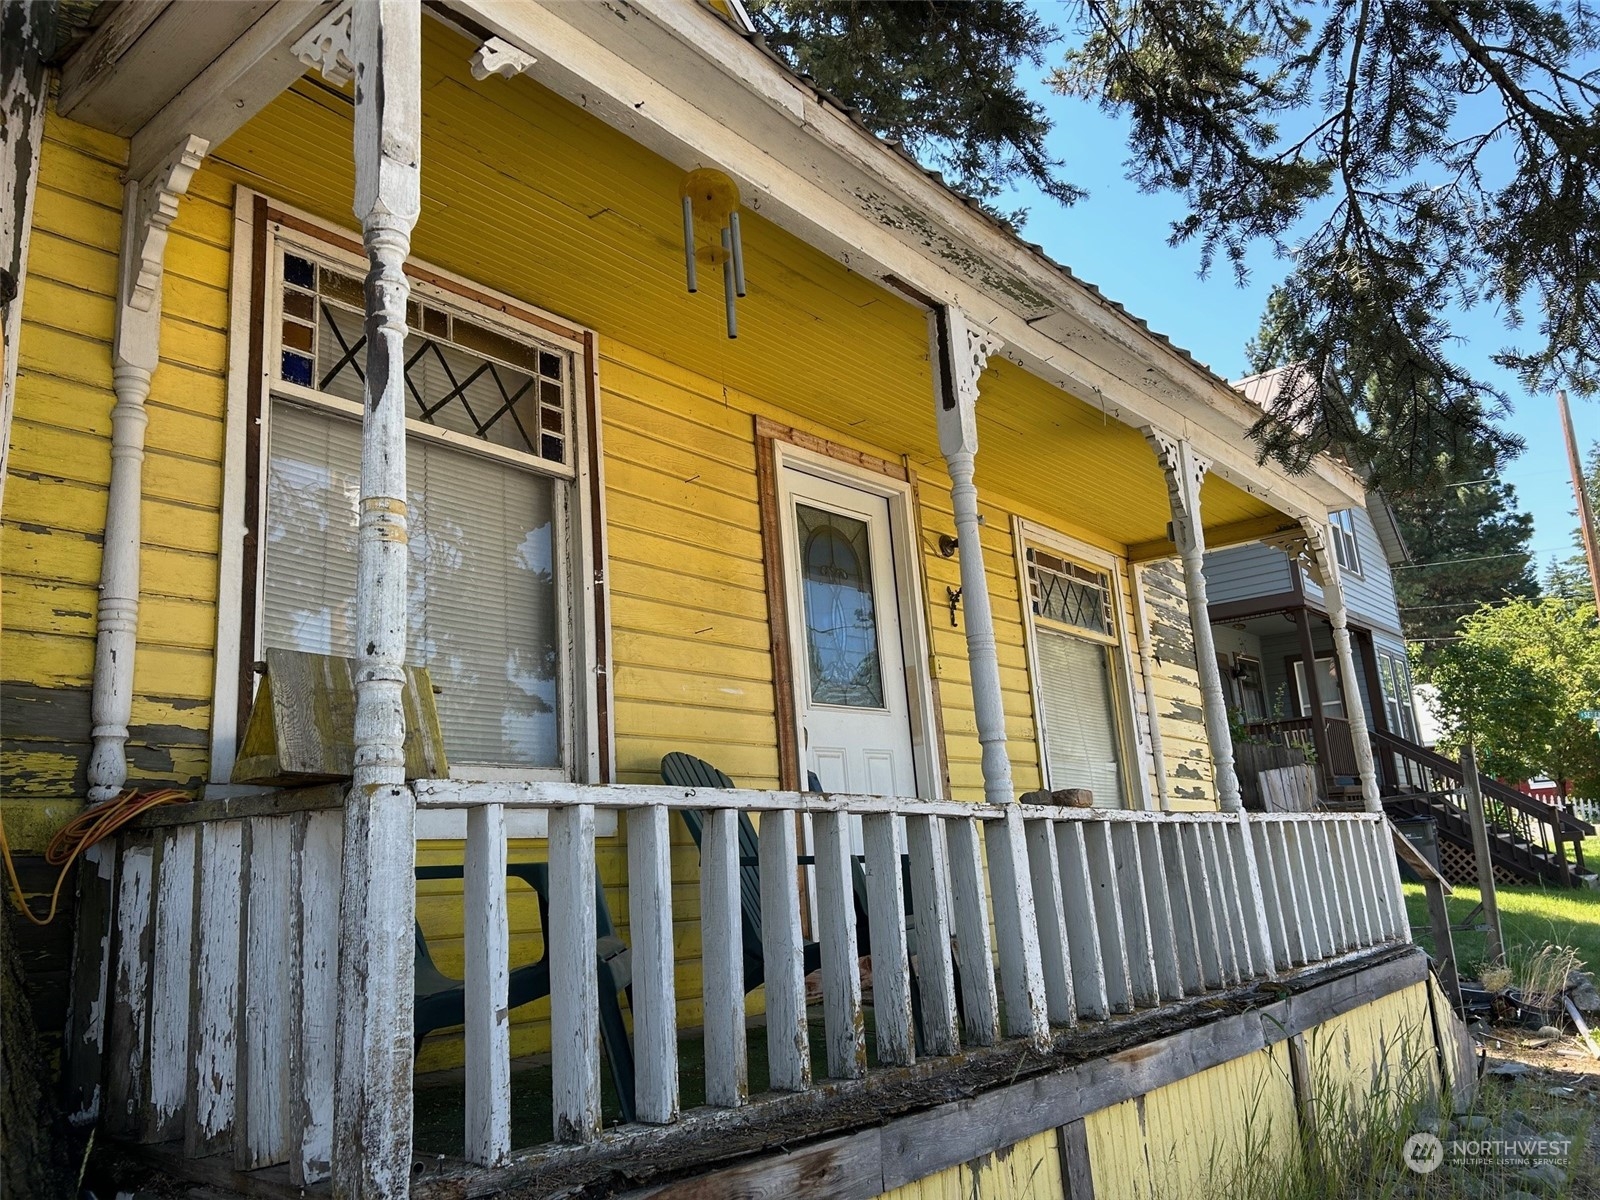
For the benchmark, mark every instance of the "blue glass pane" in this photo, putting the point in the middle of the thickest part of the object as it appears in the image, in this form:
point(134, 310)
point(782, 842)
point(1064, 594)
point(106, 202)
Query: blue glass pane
point(841, 623)
point(299, 271)
point(296, 369)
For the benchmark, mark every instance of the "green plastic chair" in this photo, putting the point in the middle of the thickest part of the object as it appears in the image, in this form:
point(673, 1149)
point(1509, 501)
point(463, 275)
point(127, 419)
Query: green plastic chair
point(439, 1001)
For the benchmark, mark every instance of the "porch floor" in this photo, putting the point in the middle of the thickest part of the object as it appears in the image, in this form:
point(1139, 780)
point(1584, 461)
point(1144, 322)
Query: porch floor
point(439, 1116)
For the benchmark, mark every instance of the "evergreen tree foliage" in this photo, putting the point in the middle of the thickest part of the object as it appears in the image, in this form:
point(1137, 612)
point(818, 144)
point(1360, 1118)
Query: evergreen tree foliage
point(940, 76)
point(1405, 157)
point(1515, 683)
point(1469, 546)
point(1568, 578)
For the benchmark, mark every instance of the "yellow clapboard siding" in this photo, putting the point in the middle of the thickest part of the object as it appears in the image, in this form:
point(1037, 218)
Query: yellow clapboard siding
point(37, 552)
point(653, 615)
point(1027, 1170)
point(33, 606)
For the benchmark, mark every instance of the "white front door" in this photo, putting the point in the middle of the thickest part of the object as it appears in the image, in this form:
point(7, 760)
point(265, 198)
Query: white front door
point(844, 620)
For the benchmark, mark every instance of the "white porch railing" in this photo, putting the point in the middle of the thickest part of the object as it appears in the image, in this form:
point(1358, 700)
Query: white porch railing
point(224, 958)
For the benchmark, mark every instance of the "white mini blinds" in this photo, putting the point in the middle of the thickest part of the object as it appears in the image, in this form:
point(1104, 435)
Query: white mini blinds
point(1346, 548)
point(1075, 642)
point(484, 604)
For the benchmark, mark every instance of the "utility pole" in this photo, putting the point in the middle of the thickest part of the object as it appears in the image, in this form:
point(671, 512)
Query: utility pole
point(1581, 493)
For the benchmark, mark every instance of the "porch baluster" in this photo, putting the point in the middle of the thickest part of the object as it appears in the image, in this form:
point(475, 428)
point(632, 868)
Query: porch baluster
point(1102, 875)
point(1055, 957)
point(841, 977)
point(969, 905)
point(1158, 904)
point(1129, 871)
point(655, 999)
point(574, 984)
point(1083, 932)
point(930, 901)
point(721, 954)
point(891, 969)
point(486, 986)
point(1185, 928)
point(1208, 935)
point(372, 1104)
point(783, 957)
point(1260, 833)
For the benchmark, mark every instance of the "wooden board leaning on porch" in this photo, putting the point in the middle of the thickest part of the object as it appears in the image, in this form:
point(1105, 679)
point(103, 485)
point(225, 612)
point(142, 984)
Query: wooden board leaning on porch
point(302, 723)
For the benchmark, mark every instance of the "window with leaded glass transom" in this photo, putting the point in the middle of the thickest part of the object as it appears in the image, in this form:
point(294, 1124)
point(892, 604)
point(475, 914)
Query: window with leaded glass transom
point(1076, 661)
point(491, 461)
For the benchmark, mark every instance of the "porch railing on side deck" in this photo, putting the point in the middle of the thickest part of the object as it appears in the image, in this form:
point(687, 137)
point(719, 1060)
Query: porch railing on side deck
point(1132, 910)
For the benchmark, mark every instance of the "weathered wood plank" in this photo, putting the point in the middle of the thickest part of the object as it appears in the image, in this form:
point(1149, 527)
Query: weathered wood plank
point(1185, 929)
point(1311, 899)
point(574, 985)
point(1271, 895)
point(969, 906)
point(930, 903)
point(1289, 889)
point(319, 843)
point(1202, 904)
point(264, 1082)
point(1135, 914)
point(1077, 1173)
point(127, 1046)
point(1236, 896)
point(1055, 956)
point(1360, 895)
point(722, 956)
point(91, 977)
point(1349, 936)
point(841, 979)
point(487, 934)
point(891, 963)
point(170, 984)
point(1016, 928)
point(1258, 938)
point(1102, 877)
point(1221, 903)
point(783, 957)
point(655, 1003)
point(1158, 907)
point(1078, 914)
point(845, 1168)
point(213, 1045)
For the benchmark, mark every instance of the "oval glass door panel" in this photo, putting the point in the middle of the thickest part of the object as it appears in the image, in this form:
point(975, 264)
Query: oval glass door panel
point(841, 621)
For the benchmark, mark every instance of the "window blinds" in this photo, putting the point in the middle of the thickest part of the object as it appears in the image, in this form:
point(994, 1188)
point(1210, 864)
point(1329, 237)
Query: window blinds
point(481, 597)
point(1079, 722)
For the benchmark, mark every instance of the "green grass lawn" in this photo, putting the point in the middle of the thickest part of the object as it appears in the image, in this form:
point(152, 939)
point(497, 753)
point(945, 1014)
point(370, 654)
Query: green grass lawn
point(1532, 917)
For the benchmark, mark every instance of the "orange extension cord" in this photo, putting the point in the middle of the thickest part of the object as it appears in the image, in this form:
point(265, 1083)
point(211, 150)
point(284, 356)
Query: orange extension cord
point(84, 830)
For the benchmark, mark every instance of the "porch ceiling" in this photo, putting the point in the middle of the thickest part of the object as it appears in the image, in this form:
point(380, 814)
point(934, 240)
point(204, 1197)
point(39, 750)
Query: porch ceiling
point(526, 193)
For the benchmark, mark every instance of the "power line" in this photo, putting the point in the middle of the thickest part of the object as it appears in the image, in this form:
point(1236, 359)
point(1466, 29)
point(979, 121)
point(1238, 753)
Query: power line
point(1445, 562)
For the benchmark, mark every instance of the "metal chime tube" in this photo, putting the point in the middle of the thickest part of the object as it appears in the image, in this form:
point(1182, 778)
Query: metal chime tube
point(688, 243)
point(738, 252)
point(727, 284)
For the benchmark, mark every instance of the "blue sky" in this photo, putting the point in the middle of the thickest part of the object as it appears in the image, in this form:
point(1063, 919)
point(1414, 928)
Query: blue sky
point(1117, 240)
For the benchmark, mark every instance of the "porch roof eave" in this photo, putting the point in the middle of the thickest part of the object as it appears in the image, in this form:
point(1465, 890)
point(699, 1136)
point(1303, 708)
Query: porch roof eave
point(681, 81)
point(685, 83)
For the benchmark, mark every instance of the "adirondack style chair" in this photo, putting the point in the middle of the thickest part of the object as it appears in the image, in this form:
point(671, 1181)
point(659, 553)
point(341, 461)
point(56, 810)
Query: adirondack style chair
point(439, 1000)
point(685, 770)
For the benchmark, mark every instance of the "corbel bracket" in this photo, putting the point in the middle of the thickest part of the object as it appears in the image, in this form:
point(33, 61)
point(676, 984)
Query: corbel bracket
point(972, 356)
point(326, 47)
point(158, 196)
point(499, 57)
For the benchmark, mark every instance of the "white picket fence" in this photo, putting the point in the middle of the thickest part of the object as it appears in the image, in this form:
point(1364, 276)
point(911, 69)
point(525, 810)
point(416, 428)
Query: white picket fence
point(224, 957)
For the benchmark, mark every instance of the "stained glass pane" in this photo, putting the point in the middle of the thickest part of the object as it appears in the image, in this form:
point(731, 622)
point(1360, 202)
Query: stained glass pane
point(841, 623)
point(460, 375)
point(1063, 591)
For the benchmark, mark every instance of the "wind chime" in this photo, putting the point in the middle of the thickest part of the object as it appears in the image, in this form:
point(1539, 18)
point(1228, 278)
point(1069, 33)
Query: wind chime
point(711, 235)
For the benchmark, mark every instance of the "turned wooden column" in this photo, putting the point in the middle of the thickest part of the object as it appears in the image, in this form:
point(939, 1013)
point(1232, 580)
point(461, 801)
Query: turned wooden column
point(373, 1091)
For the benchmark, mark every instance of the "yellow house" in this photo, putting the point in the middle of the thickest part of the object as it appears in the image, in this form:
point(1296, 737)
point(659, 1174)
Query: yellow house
point(654, 408)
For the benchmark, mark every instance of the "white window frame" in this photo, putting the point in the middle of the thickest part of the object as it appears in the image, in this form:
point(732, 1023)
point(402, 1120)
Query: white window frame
point(578, 507)
point(1134, 754)
point(1346, 544)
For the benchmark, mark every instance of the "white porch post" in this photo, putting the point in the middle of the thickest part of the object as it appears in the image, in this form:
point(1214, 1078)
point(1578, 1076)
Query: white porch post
point(149, 207)
point(1185, 471)
point(372, 1100)
point(960, 353)
point(1326, 566)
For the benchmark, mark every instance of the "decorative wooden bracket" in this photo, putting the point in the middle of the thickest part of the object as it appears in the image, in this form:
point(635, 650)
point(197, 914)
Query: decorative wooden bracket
point(499, 57)
point(326, 48)
point(966, 353)
point(159, 194)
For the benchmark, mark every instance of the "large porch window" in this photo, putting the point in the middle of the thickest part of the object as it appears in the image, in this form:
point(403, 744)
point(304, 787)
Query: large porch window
point(1079, 679)
point(492, 463)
